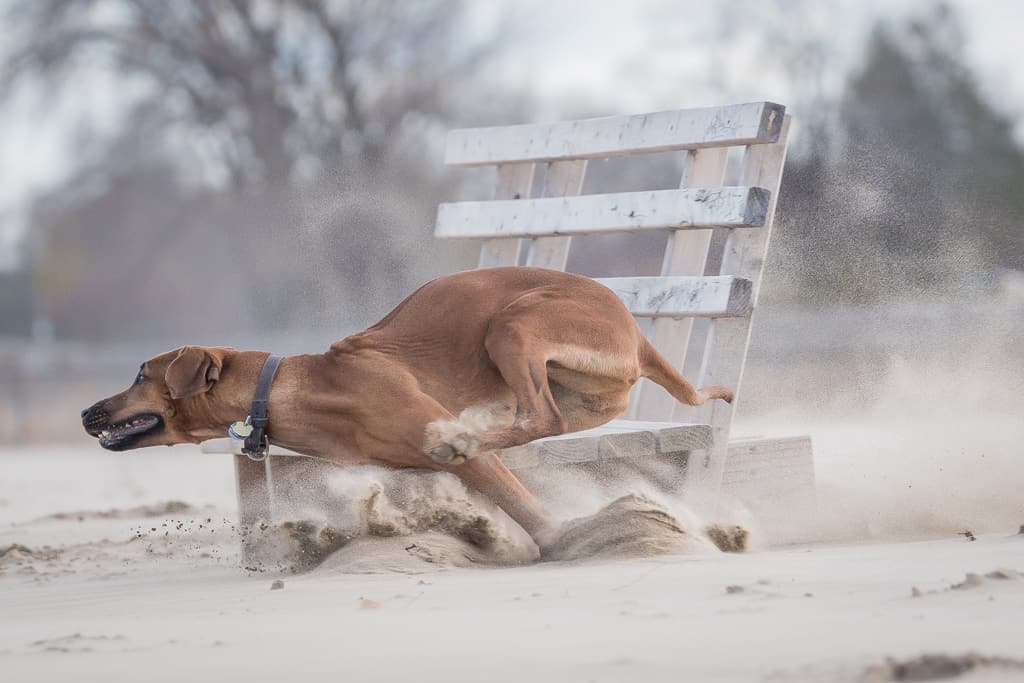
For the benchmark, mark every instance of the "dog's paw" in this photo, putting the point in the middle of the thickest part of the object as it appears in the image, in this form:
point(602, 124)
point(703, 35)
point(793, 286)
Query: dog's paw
point(717, 391)
point(449, 442)
point(446, 455)
point(455, 451)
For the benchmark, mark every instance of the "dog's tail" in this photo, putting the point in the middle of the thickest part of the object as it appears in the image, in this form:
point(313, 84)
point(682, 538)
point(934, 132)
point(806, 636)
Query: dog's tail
point(655, 367)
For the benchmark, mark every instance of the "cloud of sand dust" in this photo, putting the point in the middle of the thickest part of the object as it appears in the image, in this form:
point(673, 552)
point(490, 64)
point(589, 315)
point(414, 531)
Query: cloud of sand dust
point(414, 521)
point(929, 442)
point(919, 446)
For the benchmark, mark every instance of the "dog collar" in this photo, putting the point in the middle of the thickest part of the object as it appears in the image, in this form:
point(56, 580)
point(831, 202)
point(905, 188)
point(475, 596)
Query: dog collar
point(253, 432)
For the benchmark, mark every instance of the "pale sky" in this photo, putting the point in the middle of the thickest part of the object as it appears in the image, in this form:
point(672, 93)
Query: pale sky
point(583, 47)
point(596, 56)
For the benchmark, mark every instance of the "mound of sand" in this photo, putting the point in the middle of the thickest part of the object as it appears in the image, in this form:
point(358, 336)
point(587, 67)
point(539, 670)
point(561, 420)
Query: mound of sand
point(15, 554)
point(162, 509)
point(419, 521)
point(388, 522)
point(972, 580)
point(78, 642)
point(393, 522)
point(935, 667)
point(636, 525)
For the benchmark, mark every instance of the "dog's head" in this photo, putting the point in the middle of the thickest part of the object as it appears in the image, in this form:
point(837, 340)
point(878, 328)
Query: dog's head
point(165, 403)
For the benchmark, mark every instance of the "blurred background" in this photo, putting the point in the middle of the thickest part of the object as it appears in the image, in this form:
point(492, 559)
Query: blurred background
point(265, 173)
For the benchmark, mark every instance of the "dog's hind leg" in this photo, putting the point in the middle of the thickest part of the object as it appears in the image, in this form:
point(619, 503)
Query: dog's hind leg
point(523, 367)
point(544, 337)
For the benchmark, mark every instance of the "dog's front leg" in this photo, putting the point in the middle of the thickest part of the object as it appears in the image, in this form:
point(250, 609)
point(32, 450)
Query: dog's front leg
point(405, 427)
point(492, 478)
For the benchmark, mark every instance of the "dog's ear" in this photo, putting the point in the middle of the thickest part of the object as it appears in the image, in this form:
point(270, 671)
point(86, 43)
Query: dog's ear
point(192, 372)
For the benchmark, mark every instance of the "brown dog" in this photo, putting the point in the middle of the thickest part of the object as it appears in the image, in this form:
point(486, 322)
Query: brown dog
point(467, 365)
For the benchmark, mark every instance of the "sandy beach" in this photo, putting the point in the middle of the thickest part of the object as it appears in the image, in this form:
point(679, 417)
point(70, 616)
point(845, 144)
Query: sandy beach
point(127, 567)
point(805, 225)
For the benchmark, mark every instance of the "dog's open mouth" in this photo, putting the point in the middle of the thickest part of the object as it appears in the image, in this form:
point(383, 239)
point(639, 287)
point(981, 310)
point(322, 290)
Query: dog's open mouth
point(123, 434)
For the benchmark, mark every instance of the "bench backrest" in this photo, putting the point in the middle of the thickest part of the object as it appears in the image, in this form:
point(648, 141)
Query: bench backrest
point(544, 224)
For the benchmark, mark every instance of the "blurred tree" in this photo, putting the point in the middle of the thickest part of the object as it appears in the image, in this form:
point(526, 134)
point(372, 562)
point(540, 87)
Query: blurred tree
point(260, 91)
point(272, 170)
point(788, 42)
point(127, 257)
point(749, 50)
point(917, 194)
point(15, 302)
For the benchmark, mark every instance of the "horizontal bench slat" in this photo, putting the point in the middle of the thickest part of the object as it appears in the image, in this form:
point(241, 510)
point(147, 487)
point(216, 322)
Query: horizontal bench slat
point(770, 475)
point(735, 207)
point(234, 447)
point(616, 439)
point(738, 124)
point(677, 297)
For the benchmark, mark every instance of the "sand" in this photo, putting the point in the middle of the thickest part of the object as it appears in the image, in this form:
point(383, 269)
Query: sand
point(127, 567)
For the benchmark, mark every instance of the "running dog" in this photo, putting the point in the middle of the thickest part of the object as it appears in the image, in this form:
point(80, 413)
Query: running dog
point(467, 365)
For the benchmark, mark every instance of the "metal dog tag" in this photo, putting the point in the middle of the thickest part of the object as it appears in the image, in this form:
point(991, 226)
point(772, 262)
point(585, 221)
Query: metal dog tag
point(240, 430)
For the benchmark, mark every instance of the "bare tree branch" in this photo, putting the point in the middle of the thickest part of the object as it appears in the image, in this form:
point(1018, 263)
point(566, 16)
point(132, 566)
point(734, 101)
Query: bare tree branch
point(282, 80)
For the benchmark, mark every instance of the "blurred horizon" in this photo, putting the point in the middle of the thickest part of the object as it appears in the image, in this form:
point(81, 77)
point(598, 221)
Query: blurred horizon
point(265, 172)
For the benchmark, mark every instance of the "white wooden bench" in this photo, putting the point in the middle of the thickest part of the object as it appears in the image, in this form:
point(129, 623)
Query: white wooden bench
point(532, 220)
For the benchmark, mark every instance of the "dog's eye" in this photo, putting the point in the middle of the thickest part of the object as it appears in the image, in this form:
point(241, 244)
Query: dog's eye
point(139, 377)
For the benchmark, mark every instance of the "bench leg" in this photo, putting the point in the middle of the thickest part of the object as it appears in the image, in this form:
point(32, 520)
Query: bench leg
point(253, 487)
point(268, 492)
point(704, 470)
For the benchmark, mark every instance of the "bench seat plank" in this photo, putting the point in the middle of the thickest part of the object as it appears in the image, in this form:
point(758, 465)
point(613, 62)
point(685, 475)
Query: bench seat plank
point(616, 439)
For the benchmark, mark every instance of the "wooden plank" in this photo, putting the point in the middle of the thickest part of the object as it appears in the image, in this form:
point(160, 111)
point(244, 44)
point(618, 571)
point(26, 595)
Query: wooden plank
point(772, 477)
point(752, 463)
point(515, 181)
point(792, 460)
point(598, 138)
point(725, 352)
point(233, 446)
point(685, 254)
point(734, 207)
point(586, 446)
point(767, 476)
point(761, 445)
point(563, 179)
point(251, 487)
point(686, 438)
point(617, 439)
point(655, 297)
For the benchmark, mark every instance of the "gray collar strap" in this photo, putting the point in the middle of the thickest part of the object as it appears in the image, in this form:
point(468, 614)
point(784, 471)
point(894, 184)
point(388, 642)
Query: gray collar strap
point(256, 444)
